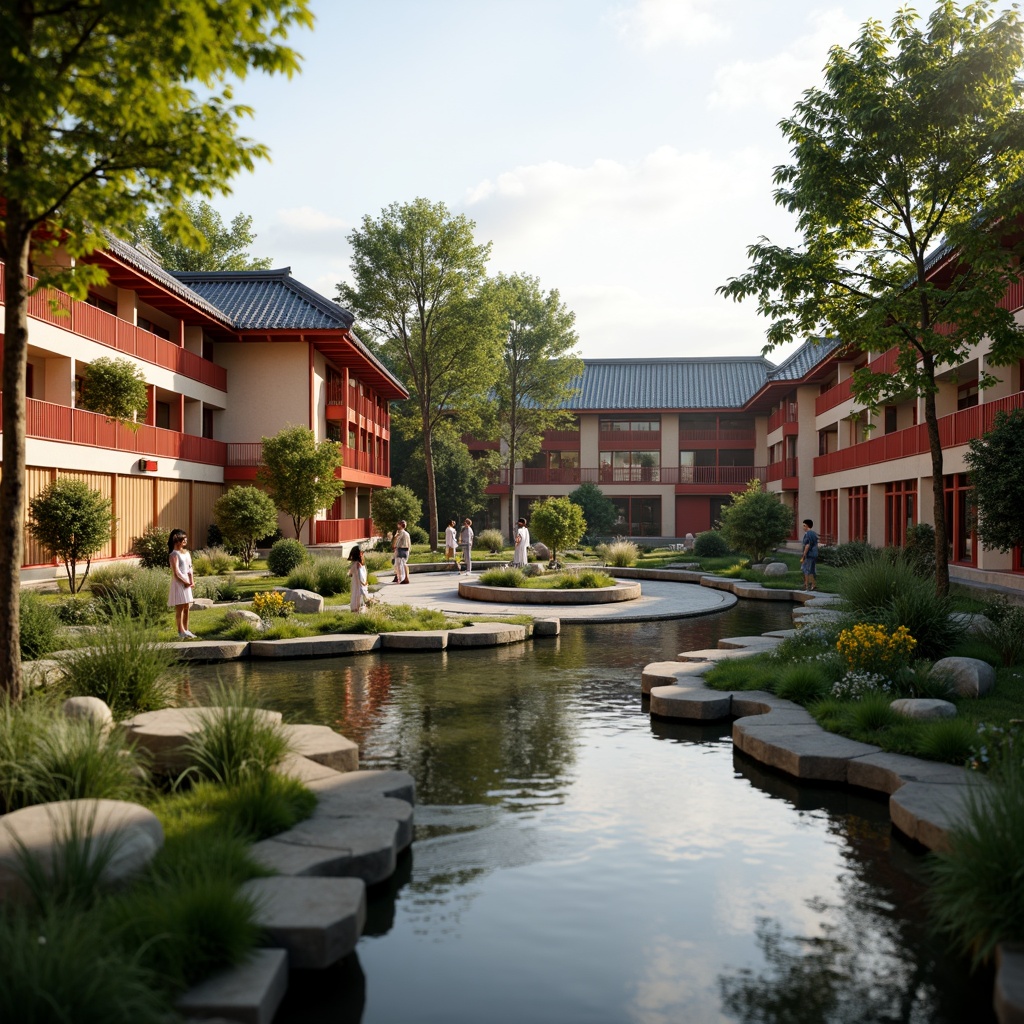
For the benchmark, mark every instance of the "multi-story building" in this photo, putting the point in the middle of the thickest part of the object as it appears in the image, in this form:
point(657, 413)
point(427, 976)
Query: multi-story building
point(228, 358)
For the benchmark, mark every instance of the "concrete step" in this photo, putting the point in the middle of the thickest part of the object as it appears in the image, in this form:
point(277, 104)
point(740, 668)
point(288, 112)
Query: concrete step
point(249, 993)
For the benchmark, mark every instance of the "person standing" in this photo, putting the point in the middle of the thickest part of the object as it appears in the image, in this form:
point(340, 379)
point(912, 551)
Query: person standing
point(400, 545)
point(357, 574)
point(450, 543)
point(182, 581)
point(520, 554)
point(466, 540)
point(809, 556)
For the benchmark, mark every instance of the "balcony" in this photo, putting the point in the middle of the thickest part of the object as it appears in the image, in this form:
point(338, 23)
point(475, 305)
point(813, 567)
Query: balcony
point(249, 455)
point(341, 400)
point(48, 422)
point(712, 434)
point(787, 414)
point(338, 531)
point(954, 430)
point(629, 440)
point(89, 322)
point(885, 363)
point(678, 476)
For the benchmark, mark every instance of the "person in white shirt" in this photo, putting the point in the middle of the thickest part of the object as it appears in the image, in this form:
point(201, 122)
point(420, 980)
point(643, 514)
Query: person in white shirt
point(520, 554)
point(466, 540)
point(400, 546)
point(450, 542)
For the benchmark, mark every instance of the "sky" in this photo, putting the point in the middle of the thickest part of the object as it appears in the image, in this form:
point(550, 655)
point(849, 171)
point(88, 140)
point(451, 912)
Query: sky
point(619, 150)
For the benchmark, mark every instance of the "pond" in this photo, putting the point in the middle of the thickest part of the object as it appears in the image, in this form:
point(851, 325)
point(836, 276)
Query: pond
point(576, 862)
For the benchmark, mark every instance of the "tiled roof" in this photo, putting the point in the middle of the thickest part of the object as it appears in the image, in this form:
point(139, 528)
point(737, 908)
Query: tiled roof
point(804, 359)
point(268, 300)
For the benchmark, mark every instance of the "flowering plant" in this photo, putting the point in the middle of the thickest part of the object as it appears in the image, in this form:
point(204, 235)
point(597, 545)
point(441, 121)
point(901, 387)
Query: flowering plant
point(870, 648)
point(270, 604)
point(855, 685)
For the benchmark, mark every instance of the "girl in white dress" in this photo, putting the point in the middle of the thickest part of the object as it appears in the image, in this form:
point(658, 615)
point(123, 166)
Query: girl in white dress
point(182, 581)
point(357, 572)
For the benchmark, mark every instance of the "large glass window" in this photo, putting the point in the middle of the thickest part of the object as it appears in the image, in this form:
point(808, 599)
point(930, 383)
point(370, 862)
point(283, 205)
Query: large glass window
point(630, 466)
point(638, 517)
point(607, 424)
point(900, 511)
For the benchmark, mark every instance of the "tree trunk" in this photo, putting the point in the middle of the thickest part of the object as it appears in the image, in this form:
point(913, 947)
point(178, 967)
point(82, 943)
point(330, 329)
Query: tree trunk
point(12, 482)
point(938, 485)
point(428, 465)
point(512, 517)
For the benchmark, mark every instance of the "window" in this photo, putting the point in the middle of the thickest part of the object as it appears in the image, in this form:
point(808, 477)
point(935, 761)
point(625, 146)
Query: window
point(900, 511)
point(890, 419)
point(638, 517)
point(967, 395)
point(30, 381)
point(207, 423)
point(857, 498)
point(163, 415)
point(829, 519)
point(736, 457)
point(630, 466)
point(101, 303)
point(607, 424)
point(148, 325)
point(960, 519)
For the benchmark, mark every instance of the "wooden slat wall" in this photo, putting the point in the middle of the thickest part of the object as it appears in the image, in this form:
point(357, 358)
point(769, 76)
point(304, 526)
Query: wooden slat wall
point(173, 500)
point(102, 482)
point(36, 480)
point(203, 497)
point(134, 509)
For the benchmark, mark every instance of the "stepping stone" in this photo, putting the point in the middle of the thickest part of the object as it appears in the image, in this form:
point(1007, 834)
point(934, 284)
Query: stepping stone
point(715, 654)
point(322, 744)
point(399, 785)
point(547, 627)
point(317, 920)
point(210, 650)
point(886, 773)
point(782, 634)
point(486, 634)
point(804, 751)
point(1008, 997)
point(737, 642)
point(686, 702)
point(327, 646)
point(751, 710)
point(305, 770)
point(670, 673)
point(249, 993)
point(923, 708)
point(341, 805)
point(412, 640)
point(130, 833)
point(164, 734)
point(365, 848)
point(926, 812)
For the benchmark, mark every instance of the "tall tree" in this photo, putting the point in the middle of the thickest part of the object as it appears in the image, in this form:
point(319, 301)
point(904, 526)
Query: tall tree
point(458, 478)
point(107, 107)
point(417, 274)
point(211, 245)
point(916, 141)
point(536, 375)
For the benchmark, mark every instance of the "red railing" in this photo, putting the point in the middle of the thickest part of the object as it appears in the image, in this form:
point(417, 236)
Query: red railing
point(783, 469)
point(337, 531)
point(90, 322)
point(955, 429)
point(629, 440)
point(251, 454)
point(787, 414)
point(711, 434)
point(698, 475)
point(562, 436)
point(885, 363)
point(50, 422)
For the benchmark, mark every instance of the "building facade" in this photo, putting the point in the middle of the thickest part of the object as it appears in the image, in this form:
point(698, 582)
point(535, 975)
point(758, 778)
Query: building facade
point(228, 359)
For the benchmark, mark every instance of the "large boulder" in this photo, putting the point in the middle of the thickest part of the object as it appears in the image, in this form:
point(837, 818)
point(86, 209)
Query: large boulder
point(776, 569)
point(91, 708)
point(969, 677)
point(306, 602)
point(541, 550)
point(244, 615)
point(923, 709)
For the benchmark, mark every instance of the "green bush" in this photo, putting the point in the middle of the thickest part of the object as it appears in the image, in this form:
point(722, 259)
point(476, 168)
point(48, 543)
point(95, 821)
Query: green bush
point(332, 576)
point(843, 555)
point(503, 578)
point(152, 548)
point(803, 683)
point(78, 610)
point(377, 561)
point(584, 579)
point(303, 577)
point(489, 540)
point(286, 555)
point(620, 553)
point(124, 589)
point(710, 544)
point(1006, 630)
point(39, 626)
point(919, 549)
point(950, 739)
point(756, 521)
point(212, 561)
point(417, 534)
point(873, 713)
point(123, 665)
point(244, 515)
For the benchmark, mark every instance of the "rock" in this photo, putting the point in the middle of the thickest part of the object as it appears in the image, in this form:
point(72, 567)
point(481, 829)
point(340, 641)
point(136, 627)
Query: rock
point(202, 603)
point(368, 782)
point(803, 750)
point(130, 834)
point(689, 702)
point(41, 673)
point(249, 993)
point(322, 744)
point(91, 708)
point(758, 566)
point(923, 709)
point(416, 640)
point(776, 569)
point(927, 812)
point(541, 551)
point(211, 650)
point(486, 634)
point(326, 646)
point(305, 601)
point(244, 615)
point(547, 627)
point(969, 677)
point(355, 805)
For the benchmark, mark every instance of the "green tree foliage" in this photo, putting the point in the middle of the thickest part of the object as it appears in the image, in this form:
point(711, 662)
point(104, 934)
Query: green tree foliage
point(536, 375)
point(244, 515)
point(906, 170)
point(756, 522)
point(299, 473)
point(389, 505)
point(72, 521)
point(151, 548)
point(558, 522)
point(598, 510)
point(996, 464)
point(220, 247)
point(458, 477)
point(108, 108)
point(117, 389)
point(418, 275)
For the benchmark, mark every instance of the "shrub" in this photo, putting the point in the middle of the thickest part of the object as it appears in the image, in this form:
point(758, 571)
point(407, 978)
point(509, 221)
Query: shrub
point(927, 616)
point(558, 523)
point(873, 713)
point(332, 576)
point(489, 540)
point(756, 521)
point(110, 585)
point(229, 590)
point(39, 627)
point(804, 683)
point(116, 388)
point(77, 610)
point(869, 648)
point(710, 544)
point(503, 578)
point(417, 534)
point(858, 685)
point(214, 538)
point(620, 553)
point(152, 548)
point(244, 514)
point(128, 590)
point(123, 665)
point(390, 505)
point(303, 577)
point(585, 579)
point(212, 561)
point(270, 605)
point(950, 739)
point(844, 555)
point(285, 555)
point(375, 561)
point(919, 548)
point(1006, 630)
point(598, 510)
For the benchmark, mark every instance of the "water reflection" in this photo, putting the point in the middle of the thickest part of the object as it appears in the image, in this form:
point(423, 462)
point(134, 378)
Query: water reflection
point(575, 861)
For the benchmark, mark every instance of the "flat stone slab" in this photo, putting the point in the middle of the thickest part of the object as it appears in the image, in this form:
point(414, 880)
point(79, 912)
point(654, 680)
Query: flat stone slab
point(399, 785)
point(210, 650)
point(669, 673)
point(341, 805)
point(776, 712)
point(1008, 997)
point(690, 703)
point(305, 770)
point(926, 812)
point(804, 751)
point(317, 920)
point(886, 773)
point(129, 833)
point(164, 734)
point(782, 634)
point(486, 634)
point(547, 627)
point(326, 646)
point(473, 591)
point(365, 848)
point(413, 640)
point(716, 654)
point(322, 744)
point(249, 993)
point(763, 643)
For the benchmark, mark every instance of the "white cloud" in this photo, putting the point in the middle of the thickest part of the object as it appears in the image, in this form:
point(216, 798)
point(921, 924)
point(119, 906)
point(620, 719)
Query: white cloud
point(650, 24)
point(308, 218)
point(300, 233)
point(777, 82)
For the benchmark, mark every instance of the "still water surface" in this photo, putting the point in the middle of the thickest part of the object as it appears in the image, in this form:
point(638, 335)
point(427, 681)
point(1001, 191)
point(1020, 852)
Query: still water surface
point(576, 862)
